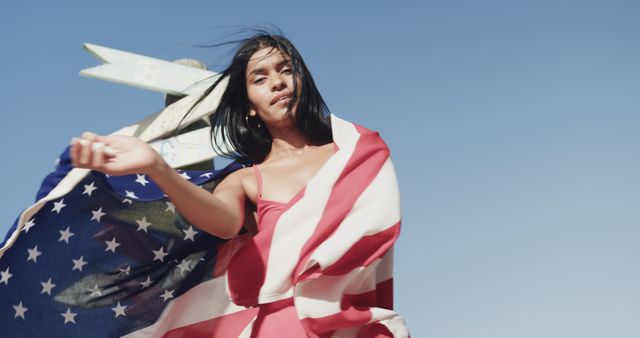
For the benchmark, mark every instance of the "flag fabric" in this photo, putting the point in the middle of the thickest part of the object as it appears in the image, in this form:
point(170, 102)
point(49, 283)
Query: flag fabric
point(112, 257)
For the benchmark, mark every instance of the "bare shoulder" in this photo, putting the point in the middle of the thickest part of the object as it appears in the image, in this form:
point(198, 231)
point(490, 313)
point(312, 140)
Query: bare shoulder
point(235, 178)
point(232, 184)
point(241, 181)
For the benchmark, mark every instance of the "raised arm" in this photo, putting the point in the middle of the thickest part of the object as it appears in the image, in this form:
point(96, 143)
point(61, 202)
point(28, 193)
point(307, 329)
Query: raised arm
point(220, 214)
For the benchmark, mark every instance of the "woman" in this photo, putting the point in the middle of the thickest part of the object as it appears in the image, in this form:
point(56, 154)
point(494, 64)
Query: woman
point(272, 115)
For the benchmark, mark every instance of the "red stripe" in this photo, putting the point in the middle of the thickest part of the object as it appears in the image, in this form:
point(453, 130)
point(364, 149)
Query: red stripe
point(355, 313)
point(379, 297)
point(362, 253)
point(278, 319)
point(375, 330)
point(226, 251)
point(369, 156)
point(384, 294)
point(326, 326)
point(230, 325)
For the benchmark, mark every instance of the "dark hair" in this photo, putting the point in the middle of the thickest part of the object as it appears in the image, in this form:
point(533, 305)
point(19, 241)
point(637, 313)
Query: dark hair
point(244, 139)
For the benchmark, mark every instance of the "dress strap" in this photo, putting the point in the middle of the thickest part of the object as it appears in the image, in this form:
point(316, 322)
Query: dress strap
point(259, 178)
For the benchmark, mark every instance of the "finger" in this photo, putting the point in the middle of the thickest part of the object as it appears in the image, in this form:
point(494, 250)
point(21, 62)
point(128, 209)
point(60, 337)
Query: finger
point(97, 153)
point(106, 141)
point(85, 152)
point(101, 139)
point(110, 152)
point(74, 151)
point(89, 136)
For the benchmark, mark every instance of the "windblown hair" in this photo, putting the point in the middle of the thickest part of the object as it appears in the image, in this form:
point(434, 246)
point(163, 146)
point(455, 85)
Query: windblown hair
point(247, 138)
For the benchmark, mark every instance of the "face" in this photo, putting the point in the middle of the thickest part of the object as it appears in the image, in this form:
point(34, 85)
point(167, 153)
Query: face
point(269, 82)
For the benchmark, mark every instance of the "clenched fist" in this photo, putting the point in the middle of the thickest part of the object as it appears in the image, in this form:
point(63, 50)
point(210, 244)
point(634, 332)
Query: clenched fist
point(113, 155)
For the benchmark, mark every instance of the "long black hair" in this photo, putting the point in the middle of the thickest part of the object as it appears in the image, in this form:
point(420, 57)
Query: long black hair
point(236, 136)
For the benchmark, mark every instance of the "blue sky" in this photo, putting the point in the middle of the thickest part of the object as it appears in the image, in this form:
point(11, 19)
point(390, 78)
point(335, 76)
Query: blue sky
point(514, 128)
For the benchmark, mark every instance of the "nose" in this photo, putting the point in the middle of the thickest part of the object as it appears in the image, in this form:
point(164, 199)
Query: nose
point(278, 83)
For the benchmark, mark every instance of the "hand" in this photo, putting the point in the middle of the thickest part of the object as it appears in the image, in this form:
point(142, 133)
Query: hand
point(113, 155)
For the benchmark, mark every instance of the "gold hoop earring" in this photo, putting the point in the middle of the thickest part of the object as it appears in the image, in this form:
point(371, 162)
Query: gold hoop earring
point(246, 120)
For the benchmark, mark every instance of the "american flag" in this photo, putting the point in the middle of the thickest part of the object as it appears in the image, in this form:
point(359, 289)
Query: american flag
point(111, 256)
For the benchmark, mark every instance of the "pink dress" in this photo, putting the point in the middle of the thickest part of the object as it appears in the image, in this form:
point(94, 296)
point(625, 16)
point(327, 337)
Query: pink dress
point(279, 318)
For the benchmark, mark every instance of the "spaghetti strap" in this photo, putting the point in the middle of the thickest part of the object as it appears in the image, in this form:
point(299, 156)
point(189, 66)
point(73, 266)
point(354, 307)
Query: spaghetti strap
point(259, 178)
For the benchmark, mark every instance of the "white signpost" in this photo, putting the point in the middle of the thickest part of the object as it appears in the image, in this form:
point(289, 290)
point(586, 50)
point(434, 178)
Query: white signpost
point(167, 77)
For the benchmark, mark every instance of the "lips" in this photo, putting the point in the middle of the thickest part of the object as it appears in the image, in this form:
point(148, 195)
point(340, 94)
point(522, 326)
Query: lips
point(279, 97)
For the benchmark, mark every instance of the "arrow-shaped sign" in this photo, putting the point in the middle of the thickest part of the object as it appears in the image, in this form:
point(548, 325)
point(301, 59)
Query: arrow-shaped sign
point(146, 72)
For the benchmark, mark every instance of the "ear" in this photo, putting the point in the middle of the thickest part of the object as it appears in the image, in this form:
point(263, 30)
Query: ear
point(252, 111)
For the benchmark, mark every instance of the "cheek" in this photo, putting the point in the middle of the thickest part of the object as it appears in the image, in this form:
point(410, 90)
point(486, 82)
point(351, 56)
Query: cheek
point(253, 96)
point(256, 95)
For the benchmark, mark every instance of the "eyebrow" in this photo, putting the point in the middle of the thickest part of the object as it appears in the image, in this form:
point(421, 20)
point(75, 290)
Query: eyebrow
point(261, 70)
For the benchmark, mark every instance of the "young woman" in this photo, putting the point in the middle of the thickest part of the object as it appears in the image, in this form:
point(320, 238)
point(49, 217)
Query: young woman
point(272, 115)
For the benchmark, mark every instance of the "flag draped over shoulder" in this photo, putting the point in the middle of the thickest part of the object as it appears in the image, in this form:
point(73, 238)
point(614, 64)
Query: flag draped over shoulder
point(102, 260)
point(112, 257)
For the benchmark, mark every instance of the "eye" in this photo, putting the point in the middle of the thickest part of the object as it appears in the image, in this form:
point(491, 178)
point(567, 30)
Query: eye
point(286, 70)
point(258, 80)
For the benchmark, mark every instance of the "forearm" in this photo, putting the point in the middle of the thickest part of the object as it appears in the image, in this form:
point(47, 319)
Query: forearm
point(200, 207)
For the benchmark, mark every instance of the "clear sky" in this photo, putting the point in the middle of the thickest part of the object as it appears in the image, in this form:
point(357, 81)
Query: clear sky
point(514, 127)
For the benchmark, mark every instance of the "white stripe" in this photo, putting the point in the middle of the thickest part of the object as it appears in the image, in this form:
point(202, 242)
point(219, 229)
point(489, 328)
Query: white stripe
point(391, 320)
point(375, 210)
point(385, 268)
point(320, 297)
point(395, 324)
point(246, 333)
point(204, 301)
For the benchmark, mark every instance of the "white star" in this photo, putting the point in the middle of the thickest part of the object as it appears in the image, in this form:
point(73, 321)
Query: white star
point(168, 294)
point(57, 206)
point(47, 286)
point(79, 263)
point(97, 215)
point(112, 245)
point(69, 316)
point(126, 270)
point(189, 233)
point(146, 283)
point(126, 200)
point(159, 254)
point(207, 175)
point(89, 188)
point(20, 310)
point(141, 179)
point(33, 254)
point(28, 225)
point(184, 265)
point(184, 175)
point(131, 194)
point(143, 224)
point(119, 310)
point(170, 207)
point(65, 235)
point(56, 162)
point(95, 292)
point(5, 276)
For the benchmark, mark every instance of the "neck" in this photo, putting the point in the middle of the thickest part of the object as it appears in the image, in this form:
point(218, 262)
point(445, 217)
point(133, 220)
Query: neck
point(288, 142)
